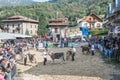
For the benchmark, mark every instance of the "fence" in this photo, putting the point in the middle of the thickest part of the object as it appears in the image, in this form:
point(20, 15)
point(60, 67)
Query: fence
point(107, 52)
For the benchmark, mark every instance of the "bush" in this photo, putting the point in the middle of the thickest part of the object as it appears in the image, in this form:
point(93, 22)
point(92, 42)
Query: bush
point(99, 32)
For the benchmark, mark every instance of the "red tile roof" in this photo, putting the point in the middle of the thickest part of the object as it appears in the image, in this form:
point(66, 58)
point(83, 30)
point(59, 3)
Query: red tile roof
point(58, 22)
point(19, 18)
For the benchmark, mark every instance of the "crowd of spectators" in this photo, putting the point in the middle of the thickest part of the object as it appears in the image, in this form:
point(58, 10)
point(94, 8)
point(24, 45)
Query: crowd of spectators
point(8, 62)
point(110, 46)
point(8, 52)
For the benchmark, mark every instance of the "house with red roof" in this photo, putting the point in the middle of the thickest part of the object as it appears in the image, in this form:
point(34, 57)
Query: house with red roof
point(91, 21)
point(58, 28)
point(20, 24)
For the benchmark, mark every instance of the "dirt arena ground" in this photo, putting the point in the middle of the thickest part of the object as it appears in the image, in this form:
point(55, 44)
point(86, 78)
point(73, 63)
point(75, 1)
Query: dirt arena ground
point(85, 67)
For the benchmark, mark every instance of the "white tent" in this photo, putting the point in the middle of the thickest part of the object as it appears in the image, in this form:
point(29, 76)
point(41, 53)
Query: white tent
point(6, 36)
point(12, 36)
point(20, 35)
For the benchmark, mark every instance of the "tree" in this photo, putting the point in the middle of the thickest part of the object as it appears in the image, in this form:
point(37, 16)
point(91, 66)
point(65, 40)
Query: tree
point(42, 25)
point(46, 11)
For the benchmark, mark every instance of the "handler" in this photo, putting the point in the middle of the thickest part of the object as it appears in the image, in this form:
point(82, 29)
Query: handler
point(44, 54)
point(93, 49)
point(73, 53)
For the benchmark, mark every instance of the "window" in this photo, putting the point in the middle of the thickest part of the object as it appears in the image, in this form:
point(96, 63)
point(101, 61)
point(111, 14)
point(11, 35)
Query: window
point(35, 31)
point(98, 25)
point(7, 25)
point(56, 30)
point(13, 31)
point(7, 28)
point(85, 24)
point(13, 25)
point(18, 25)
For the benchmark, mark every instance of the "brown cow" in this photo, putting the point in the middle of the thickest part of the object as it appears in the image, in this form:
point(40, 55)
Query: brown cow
point(32, 57)
point(85, 49)
point(68, 54)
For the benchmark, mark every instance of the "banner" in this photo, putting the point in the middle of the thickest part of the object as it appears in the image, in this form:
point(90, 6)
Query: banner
point(117, 29)
point(85, 31)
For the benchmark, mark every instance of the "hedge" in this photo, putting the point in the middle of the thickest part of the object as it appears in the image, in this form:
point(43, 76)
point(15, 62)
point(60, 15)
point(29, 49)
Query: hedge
point(99, 32)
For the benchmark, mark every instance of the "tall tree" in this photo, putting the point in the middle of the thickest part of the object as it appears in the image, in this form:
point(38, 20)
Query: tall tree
point(43, 22)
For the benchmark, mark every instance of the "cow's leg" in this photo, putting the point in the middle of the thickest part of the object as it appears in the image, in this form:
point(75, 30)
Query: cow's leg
point(63, 59)
point(82, 51)
point(88, 51)
point(34, 59)
point(53, 60)
point(67, 57)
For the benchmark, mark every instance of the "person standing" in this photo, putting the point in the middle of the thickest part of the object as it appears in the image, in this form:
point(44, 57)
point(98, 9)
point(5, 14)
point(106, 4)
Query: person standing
point(44, 54)
point(25, 57)
point(93, 49)
point(73, 53)
point(46, 46)
point(13, 68)
point(2, 74)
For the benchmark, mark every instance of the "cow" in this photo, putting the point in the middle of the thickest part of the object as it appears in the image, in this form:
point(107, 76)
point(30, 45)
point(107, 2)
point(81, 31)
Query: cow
point(57, 55)
point(68, 54)
point(85, 49)
point(32, 57)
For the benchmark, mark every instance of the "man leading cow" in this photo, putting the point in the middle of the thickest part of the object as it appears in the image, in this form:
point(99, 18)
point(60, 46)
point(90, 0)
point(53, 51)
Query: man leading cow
point(73, 53)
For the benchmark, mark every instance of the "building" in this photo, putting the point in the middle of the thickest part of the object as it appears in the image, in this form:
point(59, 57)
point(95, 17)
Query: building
point(112, 17)
point(21, 25)
point(91, 21)
point(1, 29)
point(74, 32)
point(58, 28)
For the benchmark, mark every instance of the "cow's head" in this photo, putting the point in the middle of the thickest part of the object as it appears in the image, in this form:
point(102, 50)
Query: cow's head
point(50, 53)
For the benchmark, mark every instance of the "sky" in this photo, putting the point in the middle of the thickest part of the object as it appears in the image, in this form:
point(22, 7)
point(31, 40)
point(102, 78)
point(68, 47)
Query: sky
point(41, 0)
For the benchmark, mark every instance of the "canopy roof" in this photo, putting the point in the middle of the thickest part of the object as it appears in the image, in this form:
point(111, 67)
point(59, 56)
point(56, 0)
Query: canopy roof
point(12, 36)
point(6, 36)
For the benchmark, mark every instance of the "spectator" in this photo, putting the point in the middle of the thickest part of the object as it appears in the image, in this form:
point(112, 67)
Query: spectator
point(13, 68)
point(92, 49)
point(6, 68)
point(46, 46)
point(2, 74)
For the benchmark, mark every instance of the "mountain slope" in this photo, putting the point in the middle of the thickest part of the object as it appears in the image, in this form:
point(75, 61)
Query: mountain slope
point(56, 9)
point(15, 2)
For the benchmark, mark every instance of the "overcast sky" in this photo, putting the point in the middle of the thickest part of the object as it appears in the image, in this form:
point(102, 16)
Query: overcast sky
point(41, 0)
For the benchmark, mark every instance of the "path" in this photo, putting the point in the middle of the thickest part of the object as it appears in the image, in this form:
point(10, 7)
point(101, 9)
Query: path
point(85, 67)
